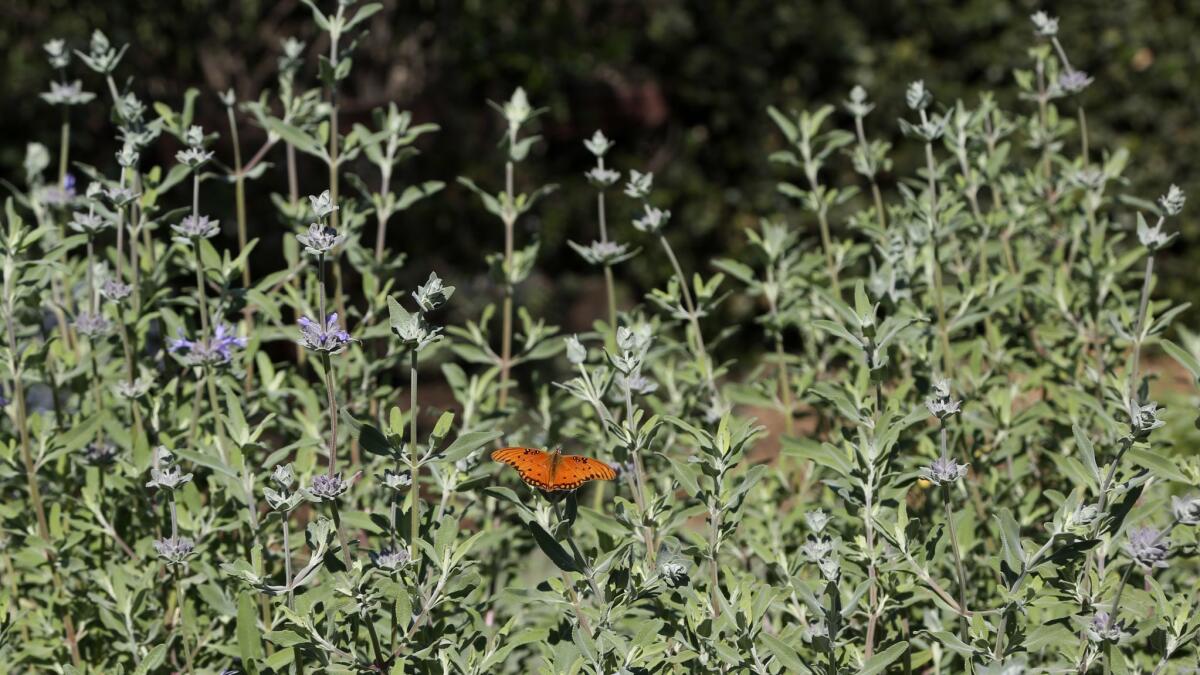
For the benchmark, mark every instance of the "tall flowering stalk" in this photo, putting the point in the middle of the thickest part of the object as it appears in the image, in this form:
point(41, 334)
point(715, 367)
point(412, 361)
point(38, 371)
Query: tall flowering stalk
point(930, 128)
point(417, 333)
point(653, 221)
point(809, 149)
point(215, 341)
point(603, 251)
point(944, 472)
point(870, 157)
point(325, 337)
point(65, 94)
point(240, 174)
point(513, 265)
point(91, 324)
point(175, 550)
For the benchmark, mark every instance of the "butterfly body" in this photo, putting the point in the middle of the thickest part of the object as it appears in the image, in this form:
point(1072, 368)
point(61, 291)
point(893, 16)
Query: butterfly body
point(553, 471)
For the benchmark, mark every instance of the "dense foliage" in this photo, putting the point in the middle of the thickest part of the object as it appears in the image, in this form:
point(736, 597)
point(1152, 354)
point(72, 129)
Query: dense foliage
point(947, 456)
point(679, 85)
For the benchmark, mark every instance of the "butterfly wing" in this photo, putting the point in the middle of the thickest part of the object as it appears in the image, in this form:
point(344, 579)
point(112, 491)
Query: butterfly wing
point(575, 470)
point(532, 464)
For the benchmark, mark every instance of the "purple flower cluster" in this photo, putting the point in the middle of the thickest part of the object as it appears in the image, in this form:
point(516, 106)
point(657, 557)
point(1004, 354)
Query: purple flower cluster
point(943, 470)
point(174, 550)
point(328, 338)
point(92, 325)
point(1148, 547)
point(213, 351)
point(327, 488)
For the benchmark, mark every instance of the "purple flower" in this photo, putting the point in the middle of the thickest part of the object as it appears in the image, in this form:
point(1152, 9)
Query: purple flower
point(390, 559)
point(1148, 547)
point(320, 239)
point(324, 487)
point(196, 227)
point(99, 453)
point(1074, 81)
point(88, 223)
point(329, 339)
point(213, 351)
point(115, 291)
point(943, 470)
point(1103, 628)
point(174, 550)
point(92, 325)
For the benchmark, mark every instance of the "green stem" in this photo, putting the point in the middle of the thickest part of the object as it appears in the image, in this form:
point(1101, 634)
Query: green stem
point(35, 493)
point(506, 326)
point(414, 467)
point(785, 384)
point(958, 563)
point(287, 561)
point(1143, 303)
point(939, 296)
point(341, 535)
point(201, 296)
point(602, 219)
point(239, 192)
point(699, 348)
point(873, 598)
point(880, 213)
point(64, 148)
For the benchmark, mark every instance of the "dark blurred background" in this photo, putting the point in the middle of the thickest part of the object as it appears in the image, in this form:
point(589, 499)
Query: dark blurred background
point(680, 85)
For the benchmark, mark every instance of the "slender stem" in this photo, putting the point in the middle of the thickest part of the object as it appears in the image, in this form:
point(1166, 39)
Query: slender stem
point(239, 192)
point(714, 569)
point(239, 187)
point(415, 489)
point(506, 327)
point(135, 226)
point(785, 387)
point(93, 300)
point(380, 238)
point(331, 399)
point(94, 308)
point(293, 182)
point(639, 481)
point(574, 596)
point(287, 560)
point(333, 118)
point(873, 591)
point(1143, 303)
point(35, 493)
point(180, 598)
point(1116, 604)
point(341, 535)
point(219, 434)
point(814, 185)
point(958, 563)
point(64, 147)
point(700, 350)
point(379, 661)
point(785, 384)
point(330, 394)
point(931, 216)
point(608, 273)
point(201, 296)
point(880, 213)
point(385, 186)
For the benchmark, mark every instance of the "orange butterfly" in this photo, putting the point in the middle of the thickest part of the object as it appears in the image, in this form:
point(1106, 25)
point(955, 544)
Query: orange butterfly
point(553, 471)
